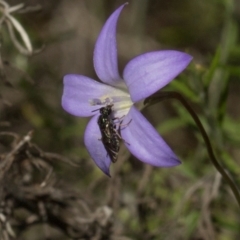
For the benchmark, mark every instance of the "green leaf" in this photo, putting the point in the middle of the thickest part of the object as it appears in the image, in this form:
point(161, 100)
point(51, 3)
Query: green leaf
point(185, 90)
point(170, 125)
point(214, 65)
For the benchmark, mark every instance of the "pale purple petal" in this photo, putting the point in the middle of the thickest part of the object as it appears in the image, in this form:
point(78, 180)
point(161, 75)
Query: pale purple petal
point(95, 146)
point(79, 91)
point(105, 52)
point(145, 143)
point(147, 73)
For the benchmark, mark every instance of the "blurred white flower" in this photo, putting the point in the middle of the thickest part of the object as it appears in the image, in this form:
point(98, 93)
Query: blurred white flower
point(13, 25)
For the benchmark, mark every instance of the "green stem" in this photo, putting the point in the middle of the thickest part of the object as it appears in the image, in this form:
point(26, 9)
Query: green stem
point(171, 94)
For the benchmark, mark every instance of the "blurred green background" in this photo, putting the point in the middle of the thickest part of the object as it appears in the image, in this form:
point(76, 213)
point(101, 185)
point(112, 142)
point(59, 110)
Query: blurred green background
point(186, 202)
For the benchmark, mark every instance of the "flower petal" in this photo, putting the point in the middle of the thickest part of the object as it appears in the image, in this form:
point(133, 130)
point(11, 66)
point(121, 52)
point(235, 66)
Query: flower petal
point(105, 52)
point(95, 146)
point(147, 73)
point(144, 142)
point(79, 91)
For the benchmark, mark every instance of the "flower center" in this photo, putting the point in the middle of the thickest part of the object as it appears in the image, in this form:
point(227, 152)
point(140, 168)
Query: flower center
point(121, 104)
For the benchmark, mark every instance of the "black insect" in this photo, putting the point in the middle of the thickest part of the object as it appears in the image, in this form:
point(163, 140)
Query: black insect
point(110, 134)
point(112, 145)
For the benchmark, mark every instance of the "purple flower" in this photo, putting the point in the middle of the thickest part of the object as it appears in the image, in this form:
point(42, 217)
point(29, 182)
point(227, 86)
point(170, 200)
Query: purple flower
point(142, 76)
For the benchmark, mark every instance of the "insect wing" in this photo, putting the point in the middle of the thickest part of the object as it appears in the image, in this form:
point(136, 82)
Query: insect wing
point(110, 135)
point(111, 148)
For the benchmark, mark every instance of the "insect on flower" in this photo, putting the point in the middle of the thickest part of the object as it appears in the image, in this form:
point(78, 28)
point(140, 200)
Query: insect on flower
point(142, 76)
point(111, 136)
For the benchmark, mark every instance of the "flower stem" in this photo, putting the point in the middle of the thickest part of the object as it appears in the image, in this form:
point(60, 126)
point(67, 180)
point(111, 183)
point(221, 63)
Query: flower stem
point(171, 94)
